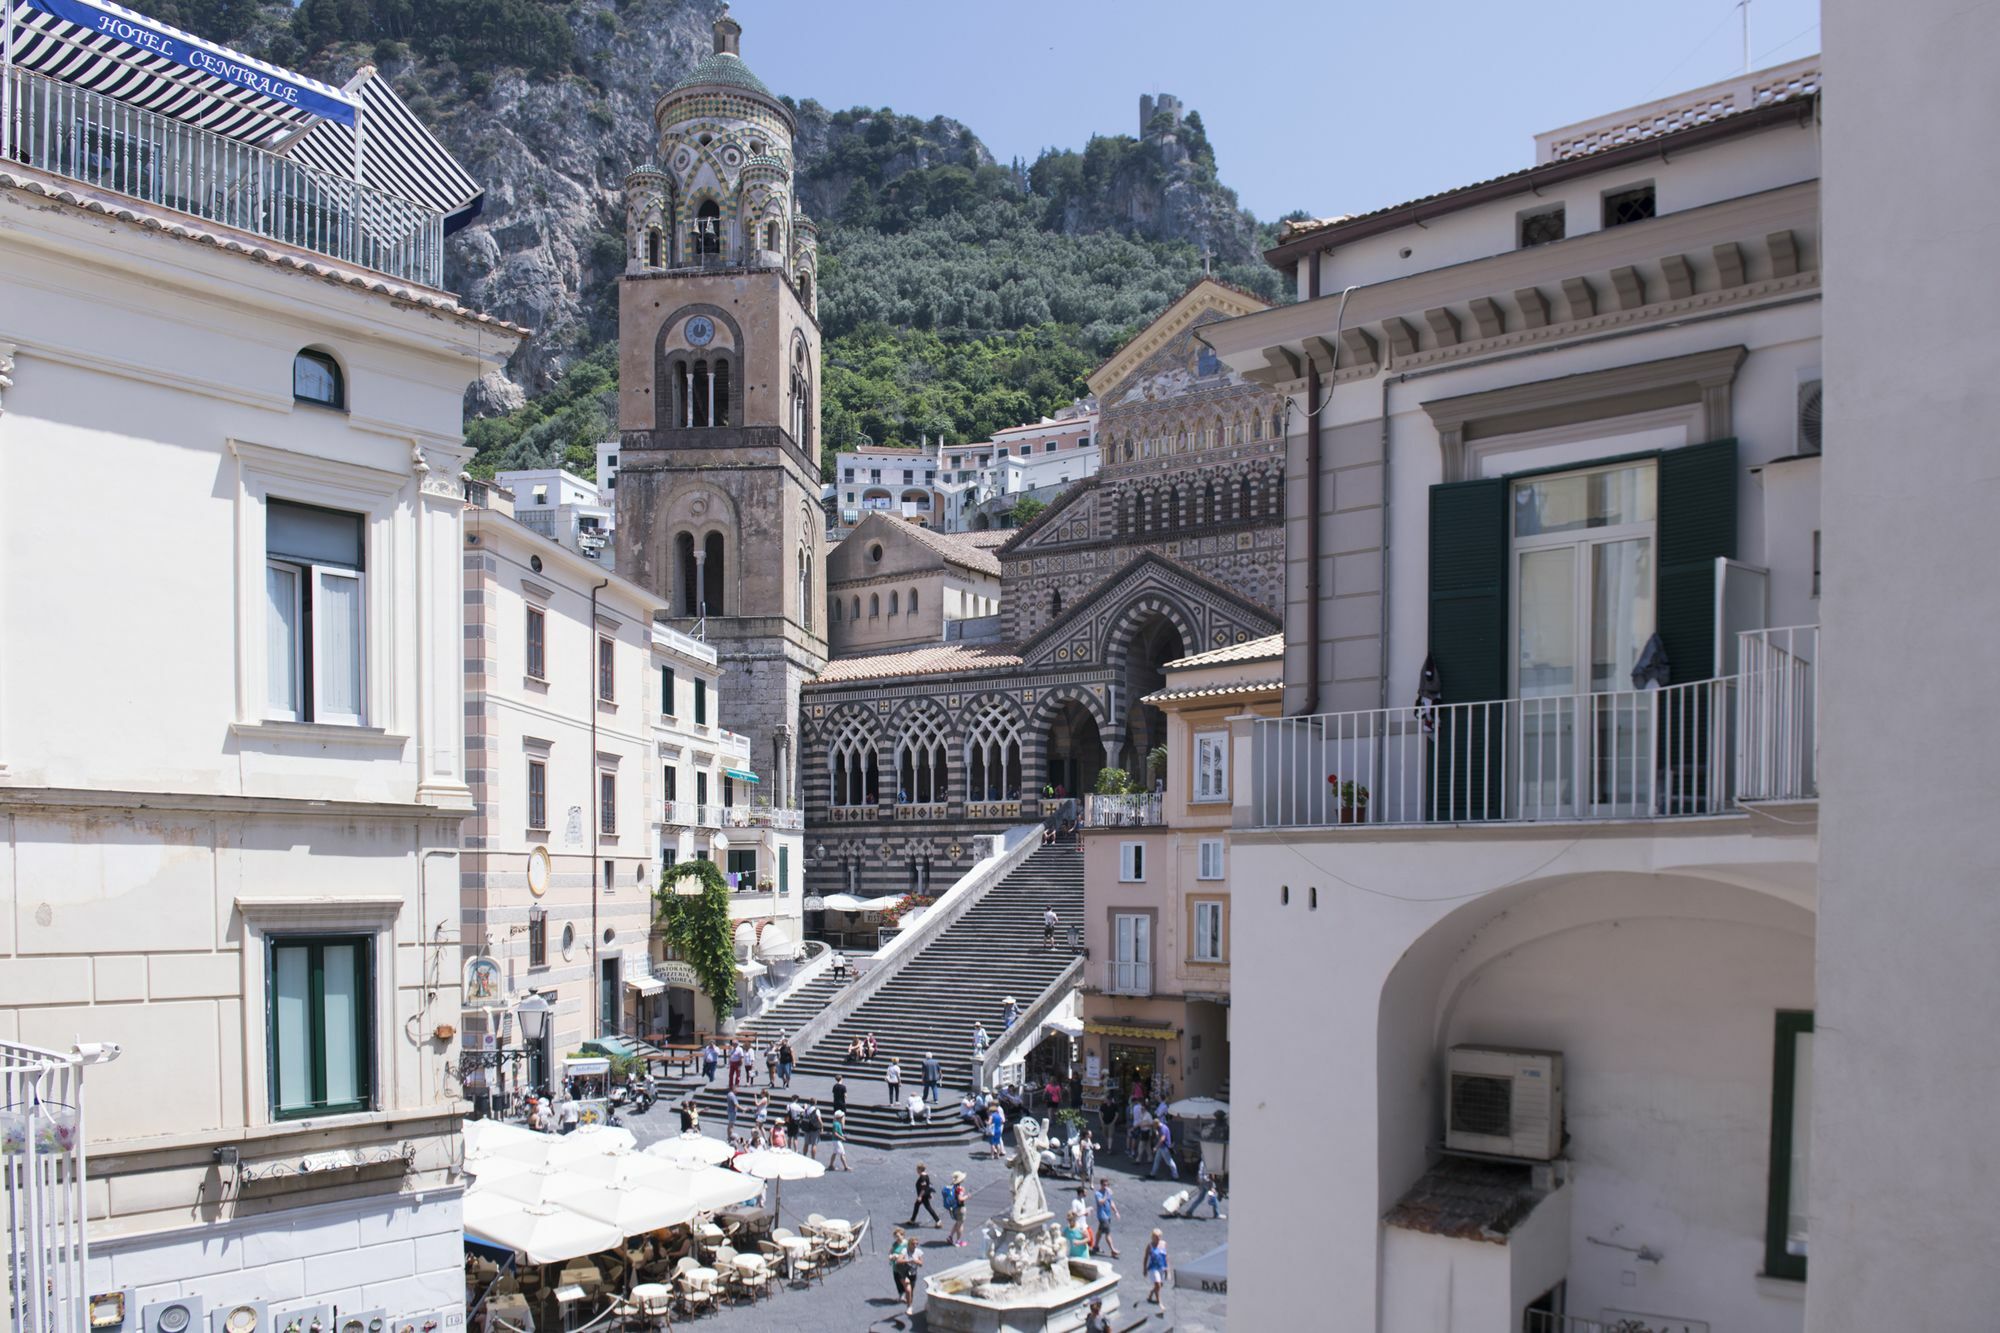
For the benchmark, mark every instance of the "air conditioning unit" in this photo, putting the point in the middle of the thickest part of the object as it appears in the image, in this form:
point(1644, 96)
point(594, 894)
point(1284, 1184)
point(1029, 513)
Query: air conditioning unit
point(180, 1315)
point(1809, 415)
point(1504, 1102)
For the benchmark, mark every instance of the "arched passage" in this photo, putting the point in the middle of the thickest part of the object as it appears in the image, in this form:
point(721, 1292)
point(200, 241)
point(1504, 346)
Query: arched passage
point(1153, 642)
point(1075, 750)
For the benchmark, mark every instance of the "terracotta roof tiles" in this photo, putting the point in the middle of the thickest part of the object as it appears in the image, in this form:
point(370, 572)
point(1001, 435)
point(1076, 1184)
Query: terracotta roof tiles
point(930, 660)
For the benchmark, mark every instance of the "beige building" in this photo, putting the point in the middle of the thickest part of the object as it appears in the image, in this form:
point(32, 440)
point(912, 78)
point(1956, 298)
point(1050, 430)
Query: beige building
point(893, 584)
point(1156, 884)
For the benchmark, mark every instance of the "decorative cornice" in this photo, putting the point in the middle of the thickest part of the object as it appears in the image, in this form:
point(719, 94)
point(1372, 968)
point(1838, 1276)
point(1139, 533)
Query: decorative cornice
point(1205, 295)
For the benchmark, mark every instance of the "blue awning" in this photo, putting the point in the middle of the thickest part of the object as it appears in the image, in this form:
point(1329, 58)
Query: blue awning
point(124, 54)
point(489, 1250)
point(740, 775)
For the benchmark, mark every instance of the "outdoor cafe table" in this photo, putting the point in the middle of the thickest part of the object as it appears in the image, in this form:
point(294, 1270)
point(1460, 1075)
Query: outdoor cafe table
point(750, 1217)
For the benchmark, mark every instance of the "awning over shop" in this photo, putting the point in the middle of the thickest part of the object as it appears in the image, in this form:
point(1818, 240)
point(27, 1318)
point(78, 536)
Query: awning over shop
point(744, 969)
point(645, 985)
point(1137, 1031)
point(740, 775)
point(847, 902)
point(397, 154)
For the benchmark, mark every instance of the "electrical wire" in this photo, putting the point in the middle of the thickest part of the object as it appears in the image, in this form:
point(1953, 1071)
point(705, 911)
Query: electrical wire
point(1810, 27)
point(1698, 46)
point(1571, 846)
point(1339, 320)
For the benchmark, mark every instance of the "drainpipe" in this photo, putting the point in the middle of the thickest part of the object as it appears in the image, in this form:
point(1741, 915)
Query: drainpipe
point(1312, 510)
point(596, 790)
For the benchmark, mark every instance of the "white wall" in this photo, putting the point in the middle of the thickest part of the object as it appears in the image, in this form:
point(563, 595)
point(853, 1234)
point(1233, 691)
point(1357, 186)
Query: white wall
point(1902, 1181)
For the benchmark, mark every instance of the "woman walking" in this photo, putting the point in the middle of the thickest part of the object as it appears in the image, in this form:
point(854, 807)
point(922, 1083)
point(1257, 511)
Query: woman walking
point(923, 1201)
point(893, 1076)
point(1156, 1266)
point(904, 1257)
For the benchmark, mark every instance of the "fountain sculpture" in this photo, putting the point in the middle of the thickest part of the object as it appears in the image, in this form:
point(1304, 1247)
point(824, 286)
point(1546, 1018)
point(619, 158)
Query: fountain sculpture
point(1026, 1283)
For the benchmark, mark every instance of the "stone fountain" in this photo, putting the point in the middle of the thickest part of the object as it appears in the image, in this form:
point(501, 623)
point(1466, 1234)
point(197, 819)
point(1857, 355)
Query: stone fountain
point(1026, 1283)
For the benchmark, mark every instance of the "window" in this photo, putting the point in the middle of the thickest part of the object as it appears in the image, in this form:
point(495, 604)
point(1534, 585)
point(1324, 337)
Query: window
point(672, 775)
point(610, 875)
point(874, 474)
point(316, 379)
point(1209, 864)
point(993, 754)
point(700, 702)
point(701, 788)
point(921, 776)
point(894, 603)
point(913, 594)
point(538, 937)
point(538, 794)
point(321, 1052)
point(1791, 1122)
point(1131, 952)
point(654, 254)
point(853, 764)
point(667, 704)
point(1541, 228)
point(1633, 205)
point(874, 605)
point(538, 623)
point(1132, 862)
point(909, 475)
point(607, 804)
point(848, 475)
point(606, 679)
point(313, 624)
point(1211, 766)
point(1208, 931)
point(728, 792)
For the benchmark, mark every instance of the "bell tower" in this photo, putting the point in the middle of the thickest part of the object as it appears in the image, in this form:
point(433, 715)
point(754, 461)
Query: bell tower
point(718, 396)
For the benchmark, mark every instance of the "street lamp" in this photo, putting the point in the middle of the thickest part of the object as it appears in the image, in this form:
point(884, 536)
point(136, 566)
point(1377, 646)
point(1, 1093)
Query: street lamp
point(533, 1011)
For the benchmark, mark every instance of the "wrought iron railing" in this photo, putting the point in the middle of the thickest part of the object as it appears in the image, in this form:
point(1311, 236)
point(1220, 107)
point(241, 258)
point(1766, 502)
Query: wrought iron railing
point(762, 816)
point(111, 145)
point(1134, 811)
point(1777, 728)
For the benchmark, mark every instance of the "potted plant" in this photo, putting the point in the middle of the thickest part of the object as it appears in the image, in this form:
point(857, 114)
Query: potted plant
point(1353, 799)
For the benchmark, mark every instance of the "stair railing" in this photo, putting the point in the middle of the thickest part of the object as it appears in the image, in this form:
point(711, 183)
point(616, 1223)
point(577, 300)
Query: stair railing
point(1016, 845)
point(819, 957)
point(1013, 1045)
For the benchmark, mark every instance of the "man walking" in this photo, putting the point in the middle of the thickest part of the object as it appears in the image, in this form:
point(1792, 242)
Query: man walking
point(980, 1040)
point(785, 1060)
point(709, 1057)
point(736, 1064)
point(923, 1202)
point(1107, 1208)
point(933, 1078)
point(814, 1126)
point(839, 1093)
point(1163, 1151)
point(1204, 1192)
point(893, 1076)
point(1049, 922)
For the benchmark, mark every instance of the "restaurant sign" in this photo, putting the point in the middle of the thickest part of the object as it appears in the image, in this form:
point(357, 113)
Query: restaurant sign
point(677, 974)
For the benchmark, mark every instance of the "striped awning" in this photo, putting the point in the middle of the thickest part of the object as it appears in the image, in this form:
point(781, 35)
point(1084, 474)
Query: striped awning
point(397, 154)
point(124, 54)
point(740, 774)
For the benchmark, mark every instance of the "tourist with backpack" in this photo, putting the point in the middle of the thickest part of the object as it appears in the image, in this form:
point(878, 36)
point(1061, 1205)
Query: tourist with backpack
point(1107, 1208)
point(954, 1205)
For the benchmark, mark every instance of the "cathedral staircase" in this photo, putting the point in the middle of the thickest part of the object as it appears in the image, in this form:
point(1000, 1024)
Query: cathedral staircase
point(930, 1002)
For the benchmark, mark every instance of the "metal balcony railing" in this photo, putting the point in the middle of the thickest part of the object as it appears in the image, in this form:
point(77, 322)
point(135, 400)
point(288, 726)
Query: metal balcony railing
point(1682, 750)
point(112, 145)
point(762, 816)
point(41, 1183)
point(1134, 811)
point(683, 813)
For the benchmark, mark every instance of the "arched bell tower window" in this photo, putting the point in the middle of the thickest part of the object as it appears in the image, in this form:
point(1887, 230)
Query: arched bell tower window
point(770, 236)
point(708, 229)
point(802, 413)
point(704, 391)
point(687, 572)
point(655, 249)
point(712, 582)
point(806, 290)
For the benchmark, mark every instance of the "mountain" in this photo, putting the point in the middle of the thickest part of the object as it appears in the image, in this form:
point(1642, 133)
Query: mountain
point(958, 295)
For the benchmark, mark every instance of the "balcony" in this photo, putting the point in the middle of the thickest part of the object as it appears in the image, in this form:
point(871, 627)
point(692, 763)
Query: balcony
point(762, 816)
point(110, 145)
point(41, 1187)
point(1128, 976)
point(680, 814)
point(1140, 810)
point(1680, 751)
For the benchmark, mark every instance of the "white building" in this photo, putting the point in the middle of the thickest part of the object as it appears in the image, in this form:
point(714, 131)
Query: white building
point(231, 711)
point(1900, 1197)
point(607, 474)
point(563, 507)
point(1542, 429)
point(978, 483)
point(883, 480)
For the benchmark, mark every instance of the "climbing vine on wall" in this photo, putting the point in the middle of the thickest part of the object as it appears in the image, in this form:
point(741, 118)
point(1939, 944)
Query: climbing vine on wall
point(697, 926)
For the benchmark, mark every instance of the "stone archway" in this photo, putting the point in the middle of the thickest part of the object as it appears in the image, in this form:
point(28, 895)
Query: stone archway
point(1152, 643)
point(1073, 750)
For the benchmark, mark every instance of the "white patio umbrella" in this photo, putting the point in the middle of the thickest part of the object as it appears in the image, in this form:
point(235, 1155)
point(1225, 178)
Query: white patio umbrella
point(601, 1135)
point(483, 1136)
point(629, 1207)
point(544, 1233)
point(781, 1165)
point(696, 1148)
point(707, 1188)
point(630, 1168)
point(1197, 1108)
point(1208, 1273)
point(538, 1184)
point(488, 1168)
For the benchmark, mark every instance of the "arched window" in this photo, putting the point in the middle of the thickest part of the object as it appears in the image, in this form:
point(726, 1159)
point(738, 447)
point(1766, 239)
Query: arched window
point(712, 582)
point(316, 378)
point(687, 568)
point(805, 590)
point(913, 601)
point(855, 614)
point(1055, 601)
point(655, 258)
point(806, 290)
point(921, 777)
point(802, 413)
point(721, 392)
point(707, 229)
point(836, 610)
point(1243, 509)
point(770, 236)
point(1278, 424)
point(851, 758)
point(892, 601)
point(993, 754)
point(1257, 426)
point(874, 605)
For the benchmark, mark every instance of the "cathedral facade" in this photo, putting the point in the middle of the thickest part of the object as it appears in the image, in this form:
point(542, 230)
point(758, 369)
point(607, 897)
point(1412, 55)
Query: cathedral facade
point(718, 417)
point(1175, 547)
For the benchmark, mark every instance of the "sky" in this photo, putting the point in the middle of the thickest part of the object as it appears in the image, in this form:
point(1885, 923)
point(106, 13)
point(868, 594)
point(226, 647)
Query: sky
point(1331, 107)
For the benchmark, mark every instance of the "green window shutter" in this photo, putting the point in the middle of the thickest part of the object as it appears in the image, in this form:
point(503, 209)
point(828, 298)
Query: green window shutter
point(1468, 641)
point(667, 691)
point(700, 702)
point(1468, 614)
point(784, 869)
point(1697, 523)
